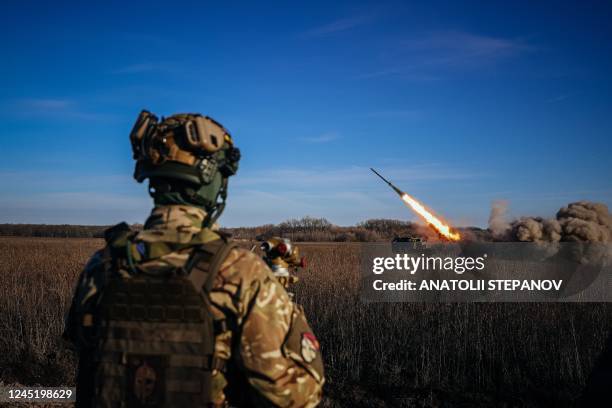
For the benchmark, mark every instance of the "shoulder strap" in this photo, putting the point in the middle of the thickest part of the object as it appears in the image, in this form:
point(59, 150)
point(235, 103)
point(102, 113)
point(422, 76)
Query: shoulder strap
point(119, 231)
point(117, 249)
point(203, 266)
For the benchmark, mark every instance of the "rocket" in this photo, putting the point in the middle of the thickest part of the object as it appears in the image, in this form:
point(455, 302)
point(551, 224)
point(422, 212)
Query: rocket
point(428, 216)
point(397, 190)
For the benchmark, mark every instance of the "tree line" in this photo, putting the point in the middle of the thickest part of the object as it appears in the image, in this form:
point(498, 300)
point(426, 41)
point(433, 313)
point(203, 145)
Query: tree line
point(307, 228)
point(321, 230)
point(55, 231)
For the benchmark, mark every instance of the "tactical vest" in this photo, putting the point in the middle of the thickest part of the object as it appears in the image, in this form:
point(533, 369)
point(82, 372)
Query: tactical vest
point(156, 336)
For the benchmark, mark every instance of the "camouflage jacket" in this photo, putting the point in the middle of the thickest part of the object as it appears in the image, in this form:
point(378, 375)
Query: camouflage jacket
point(272, 356)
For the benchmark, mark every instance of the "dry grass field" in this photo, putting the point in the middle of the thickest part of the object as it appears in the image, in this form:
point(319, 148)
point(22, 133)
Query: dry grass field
point(376, 355)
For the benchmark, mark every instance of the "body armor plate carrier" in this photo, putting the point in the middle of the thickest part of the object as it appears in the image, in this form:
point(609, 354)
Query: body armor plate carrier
point(156, 335)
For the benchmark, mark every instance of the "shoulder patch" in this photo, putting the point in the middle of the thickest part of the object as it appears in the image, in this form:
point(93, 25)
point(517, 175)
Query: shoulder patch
point(310, 347)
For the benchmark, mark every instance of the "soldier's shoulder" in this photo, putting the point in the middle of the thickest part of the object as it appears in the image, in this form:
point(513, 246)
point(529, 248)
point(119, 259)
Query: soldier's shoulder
point(241, 257)
point(118, 234)
point(244, 265)
point(111, 232)
point(115, 237)
point(242, 277)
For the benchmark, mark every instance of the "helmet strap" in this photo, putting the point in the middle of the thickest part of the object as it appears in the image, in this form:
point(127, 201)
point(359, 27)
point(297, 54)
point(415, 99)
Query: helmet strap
point(215, 213)
point(165, 192)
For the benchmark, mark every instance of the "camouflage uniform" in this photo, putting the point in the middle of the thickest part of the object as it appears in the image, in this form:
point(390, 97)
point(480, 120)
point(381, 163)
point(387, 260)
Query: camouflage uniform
point(176, 315)
point(269, 347)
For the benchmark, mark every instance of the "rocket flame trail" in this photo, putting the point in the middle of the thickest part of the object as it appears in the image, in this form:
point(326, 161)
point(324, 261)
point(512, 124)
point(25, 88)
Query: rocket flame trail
point(435, 222)
point(431, 219)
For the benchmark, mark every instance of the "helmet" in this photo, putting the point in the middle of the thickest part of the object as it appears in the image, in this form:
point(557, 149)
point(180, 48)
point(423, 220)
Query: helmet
point(187, 155)
point(283, 257)
point(281, 254)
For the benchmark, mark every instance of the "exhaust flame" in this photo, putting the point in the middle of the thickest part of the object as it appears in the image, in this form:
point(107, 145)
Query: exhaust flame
point(431, 219)
point(420, 209)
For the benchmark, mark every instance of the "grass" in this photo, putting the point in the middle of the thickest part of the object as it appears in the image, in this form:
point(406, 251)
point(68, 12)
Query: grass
point(376, 354)
point(37, 276)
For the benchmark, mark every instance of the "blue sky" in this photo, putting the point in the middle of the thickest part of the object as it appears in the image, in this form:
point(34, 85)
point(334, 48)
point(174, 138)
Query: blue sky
point(458, 103)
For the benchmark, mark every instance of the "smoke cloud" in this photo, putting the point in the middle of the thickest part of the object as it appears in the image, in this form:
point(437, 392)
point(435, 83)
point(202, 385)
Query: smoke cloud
point(498, 225)
point(535, 229)
point(585, 221)
point(581, 222)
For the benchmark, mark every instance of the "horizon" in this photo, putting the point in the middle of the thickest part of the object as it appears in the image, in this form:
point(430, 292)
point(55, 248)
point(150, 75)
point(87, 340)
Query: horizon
point(459, 105)
point(415, 222)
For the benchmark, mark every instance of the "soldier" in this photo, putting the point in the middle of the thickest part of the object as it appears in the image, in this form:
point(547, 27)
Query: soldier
point(283, 258)
point(176, 315)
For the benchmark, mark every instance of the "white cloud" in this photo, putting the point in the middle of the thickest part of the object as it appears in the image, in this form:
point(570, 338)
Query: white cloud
point(144, 67)
point(323, 138)
point(56, 108)
point(14, 181)
point(48, 104)
point(254, 207)
point(460, 47)
point(74, 208)
point(337, 26)
point(397, 113)
point(559, 98)
point(426, 56)
point(355, 176)
point(343, 195)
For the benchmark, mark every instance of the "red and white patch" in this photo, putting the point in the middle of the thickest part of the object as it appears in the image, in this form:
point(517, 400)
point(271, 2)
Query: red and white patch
point(310, 347)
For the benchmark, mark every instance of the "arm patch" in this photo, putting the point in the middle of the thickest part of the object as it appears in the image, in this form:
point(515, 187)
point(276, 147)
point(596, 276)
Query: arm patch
point(302, 346)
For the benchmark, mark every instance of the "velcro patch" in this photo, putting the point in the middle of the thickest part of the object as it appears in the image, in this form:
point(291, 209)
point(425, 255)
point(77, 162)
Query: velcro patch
point(145, 387)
